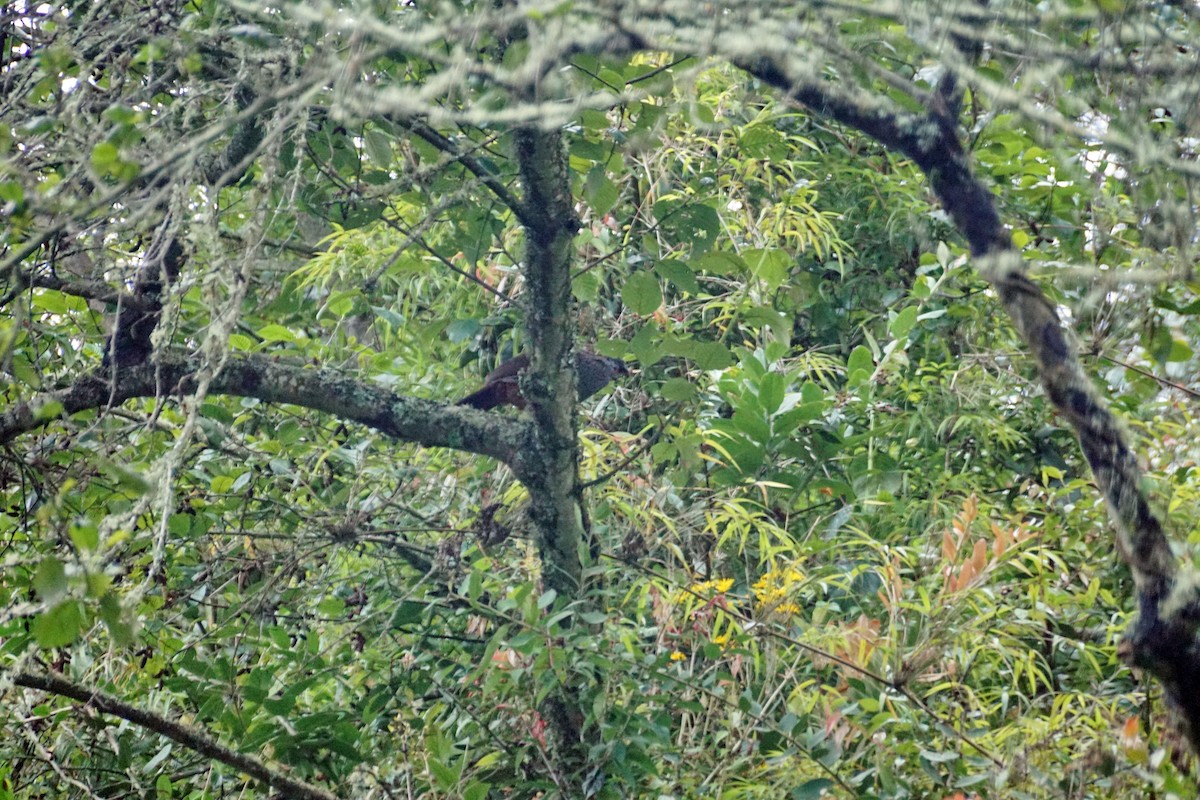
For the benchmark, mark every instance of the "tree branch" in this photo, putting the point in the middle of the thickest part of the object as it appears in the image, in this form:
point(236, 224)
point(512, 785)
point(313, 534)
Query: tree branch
point(473, 165)
point(550, 383)
point(191, 738)
point(423, 422)
point(88, 290)
point(550, 468)
point(1164, 637)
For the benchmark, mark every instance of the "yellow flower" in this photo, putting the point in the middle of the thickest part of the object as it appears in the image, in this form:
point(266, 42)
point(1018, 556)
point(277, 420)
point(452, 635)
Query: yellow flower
point(719, 586)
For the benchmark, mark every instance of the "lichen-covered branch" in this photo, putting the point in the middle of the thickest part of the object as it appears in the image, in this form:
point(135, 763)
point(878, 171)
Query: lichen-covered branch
point(409, 419)
point(550, 468)
point(475, 166)
point(1164, 639)
point(191, 738)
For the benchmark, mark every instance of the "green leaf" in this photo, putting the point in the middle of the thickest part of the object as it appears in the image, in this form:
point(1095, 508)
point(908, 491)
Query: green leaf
point(59, 626)
point(128, 479)
point(720, 263)
point(645, 346)
point(116, 619)
point(462, 330)
point(476, 790)
point(341, 304)
point(769, 266)
point(51, 409)
point(179, 524)
point(788, 421)
point(859, 366)
point(84, 535)
point(13, 193)
point(943, 757)
point(903, 322)
point(1179, 351)
point(332, 606)
point(445, 777)
point(52, 302)
point(641, 293)
point(240, 341)
point(707, 355)
point(679, 274)
point(678, 390)
point(599, 191)
point(586, 287)
point(378, 146)
point(50, 580)
point(391, 317)
point(694, 224)
point(276, 333)
point(813, 789)
point(748, 421)
point(408, 612)
point(104, 156)
point(762, 141)
point(770, 392)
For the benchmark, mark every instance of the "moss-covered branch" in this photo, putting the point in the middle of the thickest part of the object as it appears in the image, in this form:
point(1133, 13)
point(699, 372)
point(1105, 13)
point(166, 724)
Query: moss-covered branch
point(1164, 638)
point(410, 419)
point(189, 737)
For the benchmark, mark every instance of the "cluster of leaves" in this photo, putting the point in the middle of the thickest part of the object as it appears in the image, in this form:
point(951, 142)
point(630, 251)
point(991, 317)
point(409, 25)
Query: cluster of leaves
point(841, 549)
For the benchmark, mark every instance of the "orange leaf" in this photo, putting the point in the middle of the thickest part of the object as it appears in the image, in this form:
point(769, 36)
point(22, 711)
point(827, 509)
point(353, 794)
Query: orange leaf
point(1130, 729)
point(979, 557)
point(949, 548)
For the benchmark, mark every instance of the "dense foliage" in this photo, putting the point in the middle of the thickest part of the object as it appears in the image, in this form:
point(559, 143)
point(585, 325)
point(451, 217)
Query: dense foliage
point(835, 542)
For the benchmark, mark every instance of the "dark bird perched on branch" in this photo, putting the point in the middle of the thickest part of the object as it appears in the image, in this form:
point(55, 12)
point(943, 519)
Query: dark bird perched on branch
point(129, 343)
point(502, 386)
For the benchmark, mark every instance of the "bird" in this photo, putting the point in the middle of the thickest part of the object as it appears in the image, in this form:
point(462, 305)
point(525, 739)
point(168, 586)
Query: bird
point(502, 386)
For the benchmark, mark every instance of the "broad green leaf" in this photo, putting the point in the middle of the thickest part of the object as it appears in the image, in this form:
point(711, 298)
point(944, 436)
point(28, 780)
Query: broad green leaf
point(104, 156)
point(645, 346)
point(678, 390)
point(601, 193)
point(116, 618)
point(277, 333)
point(406, 613)
point(642, 294)
point(860, 365)
point(463, 330)
point(476, 790)
point(446, 777)
point(60, 626)
point(240, 341)
point(1179, 351)
point(692, 224)
point(51, 409)
point(903, 322)
point(50, 580)
point(706, 355)
point(586, 287)
point(378, 145)
point(770, 392)
point(127, 478)
point(679, 274)
point(720, 263)
point(84, 535)
point(769, 266)
point(812, 789)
